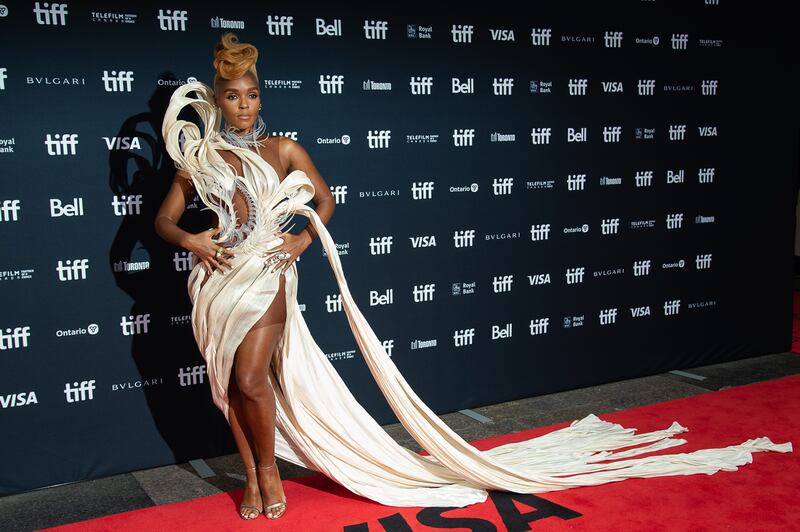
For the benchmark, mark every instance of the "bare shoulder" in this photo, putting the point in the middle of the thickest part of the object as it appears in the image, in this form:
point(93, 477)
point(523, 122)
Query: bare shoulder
point(293, 155)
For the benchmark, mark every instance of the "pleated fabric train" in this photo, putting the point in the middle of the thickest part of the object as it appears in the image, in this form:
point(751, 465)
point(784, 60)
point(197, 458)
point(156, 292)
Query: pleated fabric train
point(319, 423)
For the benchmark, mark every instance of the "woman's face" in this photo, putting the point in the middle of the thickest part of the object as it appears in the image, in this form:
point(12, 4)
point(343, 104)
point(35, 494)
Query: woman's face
point(239, 100)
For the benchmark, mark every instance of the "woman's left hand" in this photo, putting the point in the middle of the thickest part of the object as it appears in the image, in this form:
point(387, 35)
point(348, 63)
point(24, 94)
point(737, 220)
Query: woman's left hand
point(294, 245)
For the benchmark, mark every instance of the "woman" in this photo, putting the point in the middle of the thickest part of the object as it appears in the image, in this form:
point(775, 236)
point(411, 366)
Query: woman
point(275, 386)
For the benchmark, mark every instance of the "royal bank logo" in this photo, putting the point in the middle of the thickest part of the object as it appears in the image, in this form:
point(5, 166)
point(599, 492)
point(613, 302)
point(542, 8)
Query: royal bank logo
point(279, 25)
point(612, 39)
point(414, 31)
point(53, 14)
point(541, 87)
point(375, 29)
point(644, 133)
point(172, 19)
point(462, 33)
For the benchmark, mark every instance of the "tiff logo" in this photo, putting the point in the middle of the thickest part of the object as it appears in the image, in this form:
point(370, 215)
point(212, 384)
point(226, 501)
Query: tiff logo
point(641, 268)
point(118, 81)
point(541, 36)
point(539, 326)
point(339, 193)
point(575, 275)
point(333, 303)
point(3, 78)
point(464, 238)
point(421, 84)
point(375, 29)
point(9, 210)
point(609, 226)
point(423, 292)
point(79, 391)
point(61, 144)
point(643, 178)
point(646, 87)
point(172, 20)
point(576, 181)
point(612, 39)
point(502, 86)
point(677, 132)
point(679, 41)
point(192, 375)
point(463, 137)
point(708, 87)
point(125, 205)
point(279, 25)
point(380, 246)
point(331, 83)
point(54, 15)
point(502, 283)
point(72, 270)
point(462, 33)
point(422, 190)
point(133, 325)
point(378, 138)
point(463, 337)
point(702, 262)
point(540, 232)
point(675, 221)
point(608, 316)
point(182, 260)
point(612, 133)
point(14, 338)
point(705, 175)
point(502, 186)
point(671, 308)
point(540, 135)
point(577, 87)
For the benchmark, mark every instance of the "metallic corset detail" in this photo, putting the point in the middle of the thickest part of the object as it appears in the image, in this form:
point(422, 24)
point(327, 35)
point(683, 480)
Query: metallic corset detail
point(241, 232)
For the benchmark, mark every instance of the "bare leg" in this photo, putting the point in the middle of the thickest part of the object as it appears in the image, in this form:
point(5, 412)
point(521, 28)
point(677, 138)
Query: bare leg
point(255, 403)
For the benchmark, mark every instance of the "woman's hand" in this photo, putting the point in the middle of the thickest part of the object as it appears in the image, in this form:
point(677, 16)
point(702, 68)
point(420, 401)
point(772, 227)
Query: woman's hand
point(294, 245)
point(202, 246)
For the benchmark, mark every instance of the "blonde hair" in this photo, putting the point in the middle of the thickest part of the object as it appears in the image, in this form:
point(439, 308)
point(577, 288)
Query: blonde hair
point(233, 59)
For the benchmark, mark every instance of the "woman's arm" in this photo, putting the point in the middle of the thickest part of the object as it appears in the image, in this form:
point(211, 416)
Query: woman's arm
point(296, 157)
point(171, 210)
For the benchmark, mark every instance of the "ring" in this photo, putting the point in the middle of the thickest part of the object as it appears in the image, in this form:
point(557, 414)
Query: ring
point(218, 253)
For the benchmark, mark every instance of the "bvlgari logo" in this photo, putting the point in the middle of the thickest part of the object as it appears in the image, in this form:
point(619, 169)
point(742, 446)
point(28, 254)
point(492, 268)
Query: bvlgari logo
point(54, 80)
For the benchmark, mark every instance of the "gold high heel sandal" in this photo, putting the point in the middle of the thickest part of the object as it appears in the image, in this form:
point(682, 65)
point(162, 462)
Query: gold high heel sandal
point(244, 509)
point(276, 509)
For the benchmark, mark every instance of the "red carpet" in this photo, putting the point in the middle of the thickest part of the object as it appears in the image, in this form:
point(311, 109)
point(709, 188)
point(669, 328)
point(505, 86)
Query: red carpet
point(796, 323)
point(759, 496)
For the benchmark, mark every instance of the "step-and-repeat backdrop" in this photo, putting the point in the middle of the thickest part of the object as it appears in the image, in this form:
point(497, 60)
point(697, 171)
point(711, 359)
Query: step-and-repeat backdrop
point(527, 202)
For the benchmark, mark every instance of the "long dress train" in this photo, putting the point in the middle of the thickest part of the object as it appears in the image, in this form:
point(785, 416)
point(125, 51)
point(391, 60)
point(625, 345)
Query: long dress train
point(319, 423)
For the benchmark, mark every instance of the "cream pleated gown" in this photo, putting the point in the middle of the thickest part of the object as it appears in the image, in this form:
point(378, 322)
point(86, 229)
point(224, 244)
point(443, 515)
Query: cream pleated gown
point(319, 424)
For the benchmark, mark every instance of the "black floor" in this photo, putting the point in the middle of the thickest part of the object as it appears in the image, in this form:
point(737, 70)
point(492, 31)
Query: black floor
point(162, 485)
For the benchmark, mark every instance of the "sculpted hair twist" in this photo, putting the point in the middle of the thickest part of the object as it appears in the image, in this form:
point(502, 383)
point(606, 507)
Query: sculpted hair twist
point(233, 59)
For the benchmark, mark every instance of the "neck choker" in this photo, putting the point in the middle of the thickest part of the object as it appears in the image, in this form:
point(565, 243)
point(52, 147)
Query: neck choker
point(231, 136)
